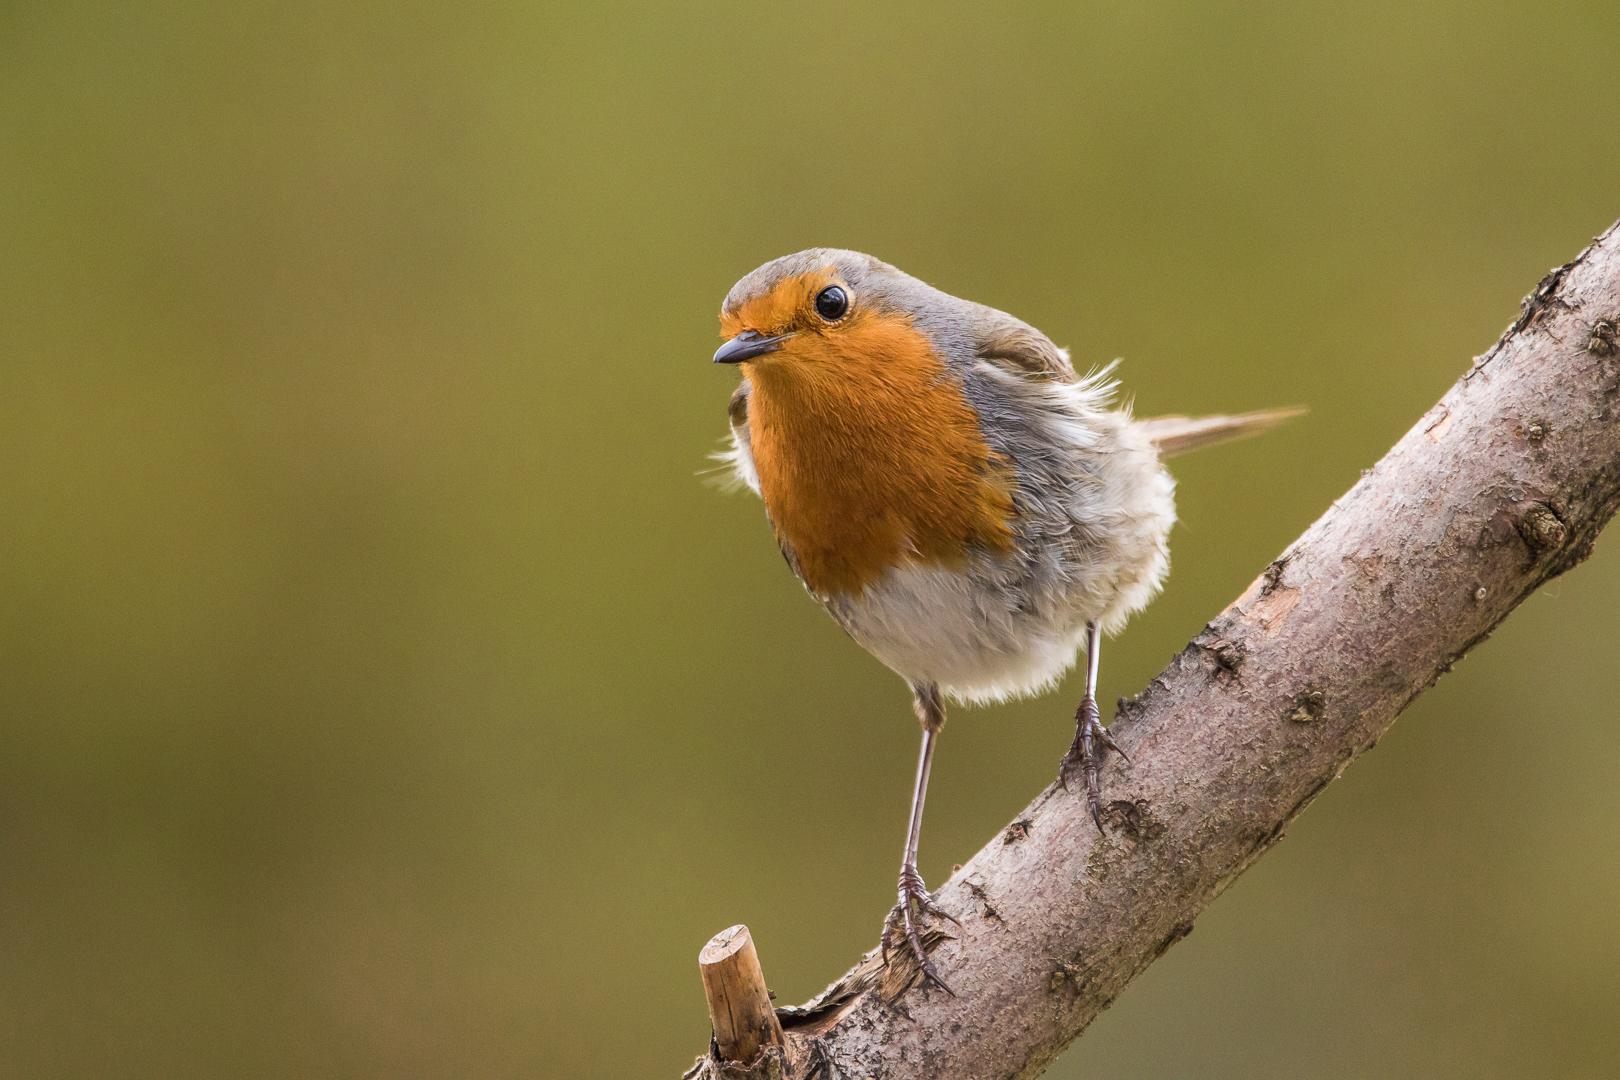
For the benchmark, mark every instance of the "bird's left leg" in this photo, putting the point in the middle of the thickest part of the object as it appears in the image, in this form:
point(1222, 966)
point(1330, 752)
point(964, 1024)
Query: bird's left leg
point(906, 917)
point(1091, 740)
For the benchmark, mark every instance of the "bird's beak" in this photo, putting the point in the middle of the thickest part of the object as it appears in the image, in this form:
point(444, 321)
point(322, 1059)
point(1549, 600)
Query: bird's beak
point(747, 345)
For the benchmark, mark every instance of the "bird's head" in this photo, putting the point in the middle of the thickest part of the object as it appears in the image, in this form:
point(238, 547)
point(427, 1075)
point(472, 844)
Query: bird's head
point(825, 313)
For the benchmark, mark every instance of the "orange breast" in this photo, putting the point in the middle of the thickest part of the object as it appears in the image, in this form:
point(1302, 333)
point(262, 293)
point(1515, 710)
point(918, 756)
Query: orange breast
point(868, 457)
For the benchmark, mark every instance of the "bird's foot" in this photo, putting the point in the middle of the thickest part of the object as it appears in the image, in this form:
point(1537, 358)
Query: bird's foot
point(905, 921)
point(1091, 745)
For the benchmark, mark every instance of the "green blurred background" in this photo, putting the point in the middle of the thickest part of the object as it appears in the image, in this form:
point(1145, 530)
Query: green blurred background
point(383, 694)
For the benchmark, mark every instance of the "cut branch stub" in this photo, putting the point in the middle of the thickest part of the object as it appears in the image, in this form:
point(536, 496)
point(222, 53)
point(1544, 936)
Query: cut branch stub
point(739, 1004)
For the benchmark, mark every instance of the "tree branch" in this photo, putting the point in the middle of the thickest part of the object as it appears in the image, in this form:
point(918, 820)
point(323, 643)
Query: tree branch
point(1501, 486)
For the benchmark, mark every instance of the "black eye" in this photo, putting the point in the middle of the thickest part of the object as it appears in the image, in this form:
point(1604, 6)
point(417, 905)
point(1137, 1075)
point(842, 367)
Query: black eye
point(831, 303)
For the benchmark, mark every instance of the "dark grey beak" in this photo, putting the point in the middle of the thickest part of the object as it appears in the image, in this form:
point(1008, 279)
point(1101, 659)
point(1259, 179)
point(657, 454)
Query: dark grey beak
point(747, 345)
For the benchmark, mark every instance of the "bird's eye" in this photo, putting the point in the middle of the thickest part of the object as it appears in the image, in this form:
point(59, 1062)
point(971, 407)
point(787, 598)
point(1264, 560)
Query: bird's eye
point(832, 303)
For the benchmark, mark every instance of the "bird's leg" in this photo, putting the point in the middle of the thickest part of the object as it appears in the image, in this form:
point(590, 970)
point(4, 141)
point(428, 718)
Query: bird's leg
point(1091, 740)
point(915, 903)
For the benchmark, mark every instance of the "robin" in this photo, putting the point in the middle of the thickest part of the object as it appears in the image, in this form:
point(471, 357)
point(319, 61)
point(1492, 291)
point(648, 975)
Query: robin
point(967, 508)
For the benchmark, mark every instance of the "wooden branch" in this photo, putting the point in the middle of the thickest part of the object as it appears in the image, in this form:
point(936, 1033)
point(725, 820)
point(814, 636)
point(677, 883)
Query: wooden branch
point(740, 1012)
point(1501, 486)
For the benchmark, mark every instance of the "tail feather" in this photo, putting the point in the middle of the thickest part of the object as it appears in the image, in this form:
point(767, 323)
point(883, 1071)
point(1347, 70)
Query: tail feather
point(1173, 435)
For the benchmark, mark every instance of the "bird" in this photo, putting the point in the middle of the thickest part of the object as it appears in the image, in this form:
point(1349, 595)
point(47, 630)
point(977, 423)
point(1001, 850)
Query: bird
point(970, 510)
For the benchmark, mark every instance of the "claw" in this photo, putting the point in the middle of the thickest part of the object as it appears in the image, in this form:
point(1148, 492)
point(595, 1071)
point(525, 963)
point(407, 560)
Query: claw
point(1091, 745)
point(902, 921)
point(1108, 741)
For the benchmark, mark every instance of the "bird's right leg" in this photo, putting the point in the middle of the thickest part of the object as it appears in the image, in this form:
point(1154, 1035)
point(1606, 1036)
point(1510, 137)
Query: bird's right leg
point(906, 917)
point(1091, 740)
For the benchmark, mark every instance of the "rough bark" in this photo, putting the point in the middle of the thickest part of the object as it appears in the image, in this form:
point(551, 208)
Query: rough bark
point(1501, 486)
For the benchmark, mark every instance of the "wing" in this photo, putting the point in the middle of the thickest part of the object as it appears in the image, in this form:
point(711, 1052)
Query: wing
point(1172, 435)
point(1023, 350)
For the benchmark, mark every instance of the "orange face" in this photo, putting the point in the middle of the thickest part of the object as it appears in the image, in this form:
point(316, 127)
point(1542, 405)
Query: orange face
point(868, 455)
